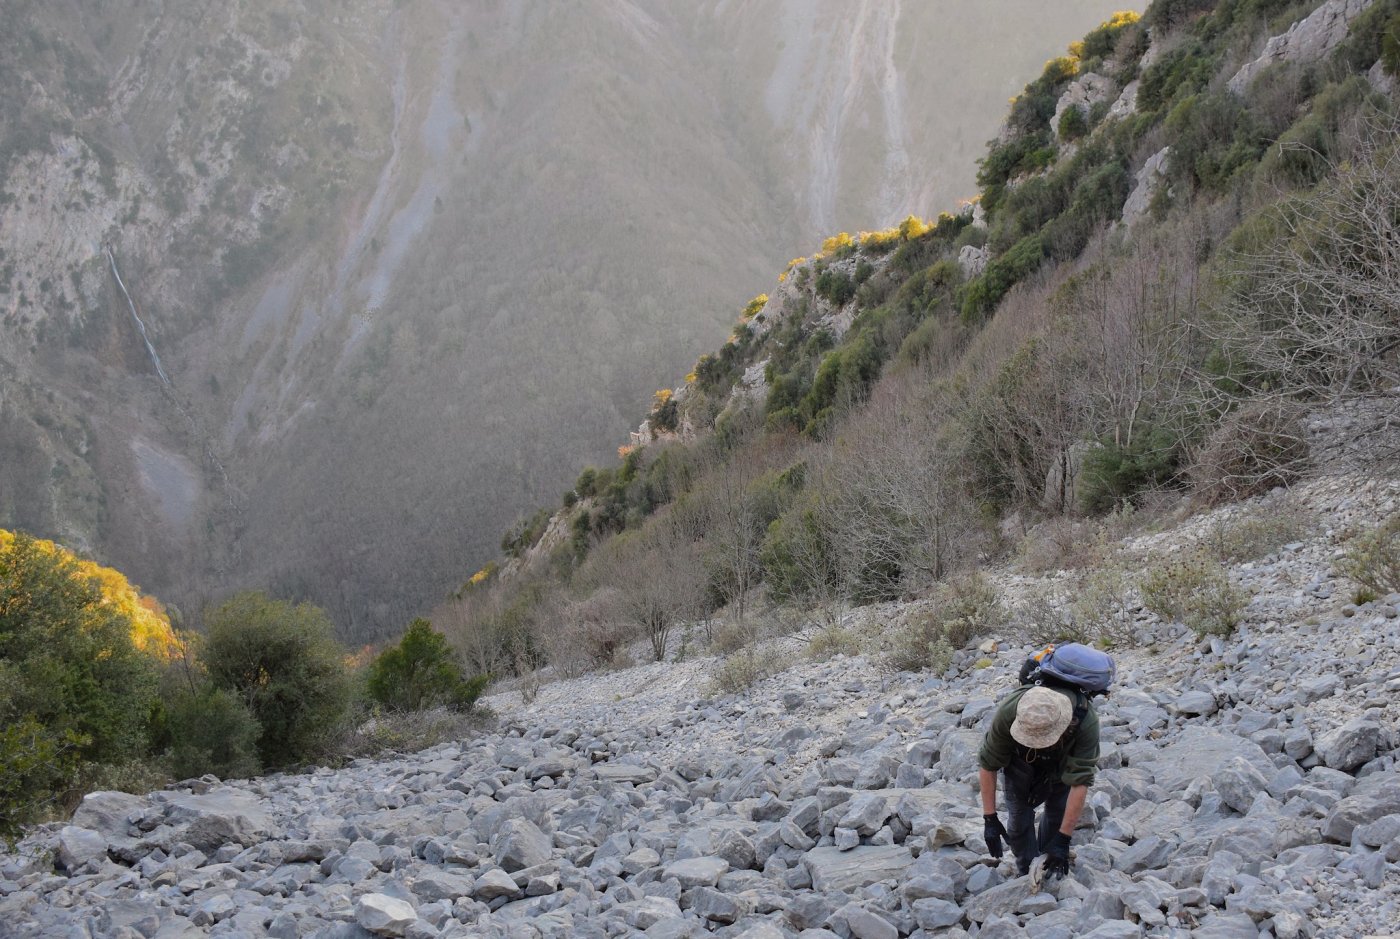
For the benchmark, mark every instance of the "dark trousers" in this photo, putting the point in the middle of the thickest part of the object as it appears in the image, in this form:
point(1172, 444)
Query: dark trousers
point(1026, 787)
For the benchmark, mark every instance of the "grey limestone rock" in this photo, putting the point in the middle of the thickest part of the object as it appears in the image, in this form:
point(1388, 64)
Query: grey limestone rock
point(932, 913)
point(710, 904)
point(1238, 782)
point(1307, 40)
point(521, 844)
point(867, 812)
point(383, 915)
point(834, 870)
point(77, 846)
point(1115, 929)
point(1196, 703)
point(219, 817)
point(1347, 747)
point(441, 885)
point(863, 924)
point(107, 812)
point(495, 883)
point(1001, 900)
point(697, 872)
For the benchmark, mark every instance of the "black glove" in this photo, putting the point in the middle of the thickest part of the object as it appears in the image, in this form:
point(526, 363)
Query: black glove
point(993, 831)
point(1057, 856)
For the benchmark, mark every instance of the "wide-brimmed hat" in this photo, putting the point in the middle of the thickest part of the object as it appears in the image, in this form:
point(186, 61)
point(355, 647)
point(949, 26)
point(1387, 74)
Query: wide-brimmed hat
point(1041, 718)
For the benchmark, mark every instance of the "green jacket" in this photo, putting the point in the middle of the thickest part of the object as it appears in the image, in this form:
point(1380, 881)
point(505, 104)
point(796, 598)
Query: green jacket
point(1078, 752)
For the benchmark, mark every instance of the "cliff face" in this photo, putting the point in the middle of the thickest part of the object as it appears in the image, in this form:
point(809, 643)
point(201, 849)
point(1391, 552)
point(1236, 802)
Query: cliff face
point(404, 267)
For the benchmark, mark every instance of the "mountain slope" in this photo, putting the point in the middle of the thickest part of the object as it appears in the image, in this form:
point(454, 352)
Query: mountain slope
point(406, 266)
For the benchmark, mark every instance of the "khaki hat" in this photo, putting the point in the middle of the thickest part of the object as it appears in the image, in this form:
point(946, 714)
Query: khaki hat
point(1041, 718)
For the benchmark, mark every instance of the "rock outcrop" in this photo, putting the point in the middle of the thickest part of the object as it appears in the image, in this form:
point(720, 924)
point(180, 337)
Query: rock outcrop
point(1146, 184)
point(1307, 40)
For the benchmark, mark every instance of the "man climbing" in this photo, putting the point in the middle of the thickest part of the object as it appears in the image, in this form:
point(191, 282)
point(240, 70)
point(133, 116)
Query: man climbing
point(1044, 739)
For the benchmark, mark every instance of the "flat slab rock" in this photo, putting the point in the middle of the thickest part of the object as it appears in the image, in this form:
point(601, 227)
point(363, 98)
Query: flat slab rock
point(1200, 752)
point(834, 870)
point(624, 773)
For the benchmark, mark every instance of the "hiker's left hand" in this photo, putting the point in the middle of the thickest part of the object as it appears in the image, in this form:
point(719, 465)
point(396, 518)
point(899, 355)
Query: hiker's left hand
point(1057, 856)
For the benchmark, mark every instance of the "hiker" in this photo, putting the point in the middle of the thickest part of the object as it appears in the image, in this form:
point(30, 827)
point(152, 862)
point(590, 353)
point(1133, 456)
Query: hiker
point(1044, 739)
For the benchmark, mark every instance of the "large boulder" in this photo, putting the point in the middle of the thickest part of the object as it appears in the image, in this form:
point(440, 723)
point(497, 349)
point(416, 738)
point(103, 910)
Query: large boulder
point(1307, 40)
point(1150, 178)
point(219, 817)
point(1238, 782)
point(107, 813)
point(697, 871)
point(1349, 746)
point(1202, 753)
point(1373, 798)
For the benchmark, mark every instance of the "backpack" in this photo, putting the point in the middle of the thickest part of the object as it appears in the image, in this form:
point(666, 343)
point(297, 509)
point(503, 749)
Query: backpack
point(1074, 666)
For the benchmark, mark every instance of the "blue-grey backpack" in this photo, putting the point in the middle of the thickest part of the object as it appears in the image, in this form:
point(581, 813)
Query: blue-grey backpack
point(1079, 666)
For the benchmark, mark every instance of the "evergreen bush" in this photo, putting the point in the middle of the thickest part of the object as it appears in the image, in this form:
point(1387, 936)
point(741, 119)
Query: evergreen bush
point(1113, 473)
point(421, 672)
point(283, 663)
point(211, 731)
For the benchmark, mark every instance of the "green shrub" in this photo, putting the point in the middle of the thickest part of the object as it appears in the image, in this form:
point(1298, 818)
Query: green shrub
point(526, 533)
point(1390, 47)
point(36, 767)
point(964, 608)
point(1258, 447)
point(421, 672)
point(836, 286)
point(1192, 588)
point(969, 607)
point(211, 731)
point(1182, 71)
point(730, 638)
point(1101, 608)
point(981, 295)
point(798, 559)
point(410, 731)
point(1073, 124)
point(1169, 14)
point(1373, 558)
point(1113, 473)
point(282, 662)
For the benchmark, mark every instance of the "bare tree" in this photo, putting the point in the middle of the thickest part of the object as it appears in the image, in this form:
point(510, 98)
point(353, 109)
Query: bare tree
point(1315, 312)
point(900, 517)
point(656, 578)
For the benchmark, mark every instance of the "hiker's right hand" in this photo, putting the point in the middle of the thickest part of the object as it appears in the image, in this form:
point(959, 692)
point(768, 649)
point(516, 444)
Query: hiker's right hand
point(993, 831)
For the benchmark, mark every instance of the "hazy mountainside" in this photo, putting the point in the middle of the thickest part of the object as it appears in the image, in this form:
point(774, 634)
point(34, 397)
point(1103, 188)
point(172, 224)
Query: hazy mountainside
point(408, 266)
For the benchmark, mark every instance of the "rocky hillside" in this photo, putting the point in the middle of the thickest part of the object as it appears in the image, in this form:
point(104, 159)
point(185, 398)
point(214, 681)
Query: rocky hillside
point(397, 271)
point(1249, 785)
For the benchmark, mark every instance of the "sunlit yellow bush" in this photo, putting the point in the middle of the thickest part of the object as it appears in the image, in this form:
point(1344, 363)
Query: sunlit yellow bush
point(150, 626)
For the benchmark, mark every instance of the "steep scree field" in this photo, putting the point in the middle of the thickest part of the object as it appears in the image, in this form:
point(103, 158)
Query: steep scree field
point(1248, 787)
